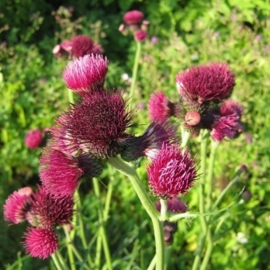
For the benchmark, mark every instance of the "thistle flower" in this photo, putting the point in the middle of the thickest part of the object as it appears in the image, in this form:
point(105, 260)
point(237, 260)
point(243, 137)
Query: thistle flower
point(59, 173)
point(133, 17)
point(212, 82)
point(150, 142)
point(171, 173)
point(98, 124)
point(140, 35)
point(160, 108)
point(81, 45)
point(17, 205)
point(86, 73)
point(33, 138)
point(229, 121)
point(48, 211)
point(41, 243)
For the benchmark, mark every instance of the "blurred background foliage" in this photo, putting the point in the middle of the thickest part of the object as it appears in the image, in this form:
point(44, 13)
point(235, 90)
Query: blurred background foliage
point(181, 34)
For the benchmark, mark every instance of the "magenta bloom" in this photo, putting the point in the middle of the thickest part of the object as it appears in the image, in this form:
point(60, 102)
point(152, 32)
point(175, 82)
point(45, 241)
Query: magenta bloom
point(41, 243)
point(133, 17)
point(98, 123)
point(86, 73)
point(17, 205)
point(140, 35)
point(212, 82)
point(228, 125)
point(174, 205)
point(150, 142)
point(48, 211)
point(160, 108)
point(81, 45)
point(59, 173)
point(171, 173)
point(33, 138)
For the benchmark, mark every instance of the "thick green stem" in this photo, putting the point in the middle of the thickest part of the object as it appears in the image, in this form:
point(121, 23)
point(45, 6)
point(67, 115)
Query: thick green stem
point(149, 207)
point(163, 209)
point(204, 140)
point(209, 250)
point(69, 249)
point(61, 260)
point(135, 70)
point(102, 232)
point(56, 262)
point(185, 137)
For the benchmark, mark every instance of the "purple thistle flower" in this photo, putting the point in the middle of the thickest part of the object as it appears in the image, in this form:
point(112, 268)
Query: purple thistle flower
point(212, 82)
point(227, 125)
point(150, 142)
point(86, 73)
point(174, 205)
point(40, 242)
point(171, 173)
point(140, 35)
point(33, 138)
point(81, 45)
point(59, 173)
point(48, 211)
point(133, 17)
point(17, 205)
point(98, 124)
point(159, 107)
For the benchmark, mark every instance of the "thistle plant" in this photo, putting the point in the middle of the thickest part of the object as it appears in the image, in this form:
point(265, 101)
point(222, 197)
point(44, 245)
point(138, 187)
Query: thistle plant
point(95, 131)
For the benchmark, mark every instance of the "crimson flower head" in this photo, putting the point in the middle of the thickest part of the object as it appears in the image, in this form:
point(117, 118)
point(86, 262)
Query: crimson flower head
point(133, 17)
point(150, 142)
point(160, 108)
point(17, 205)
point(48, 211)
point(33, 138)
point(212, 82)
point(59, 173)
point(171, 173)
point(81, 45)
point(86, 73)
point(229, 122)
point(98, 123)
point(40, 242)
point(140, 35)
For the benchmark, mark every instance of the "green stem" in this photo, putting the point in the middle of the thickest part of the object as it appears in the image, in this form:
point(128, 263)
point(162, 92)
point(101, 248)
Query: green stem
point(149, 207)
point(102, 232)
point(163, 209)
point(135, 70)
point(70, 96)
point(81, 226)
point(185, 137)
point(204, 140)
point(61, 260)
point(152, 263)
point(56, 262)
point(182, 215)
point(209, 250)
point(69, 249)
point(79, 257)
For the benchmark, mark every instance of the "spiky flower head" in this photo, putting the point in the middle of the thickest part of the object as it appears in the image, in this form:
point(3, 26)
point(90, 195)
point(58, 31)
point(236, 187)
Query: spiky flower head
point(86, 73)
point(205, 83)
point(133, 17)
point(228, 124)
point(140, 35)
point(33, 138)
point(174, 205)
point(150, 142)
point(98, 123)
point(59, 173)
point(171, 173)
point(160, 108)
point(17, 205)
point(81, 45)
point(48, 211)
point(40, 242)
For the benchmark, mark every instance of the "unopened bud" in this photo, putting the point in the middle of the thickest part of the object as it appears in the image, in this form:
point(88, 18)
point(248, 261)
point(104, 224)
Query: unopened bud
point(192, 118)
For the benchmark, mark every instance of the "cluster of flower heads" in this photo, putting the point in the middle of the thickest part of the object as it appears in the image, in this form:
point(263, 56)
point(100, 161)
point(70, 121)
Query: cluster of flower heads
point(77, 47)
point(204, 91)
point(44, 213)
point(134, 23)
point(90, 132)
